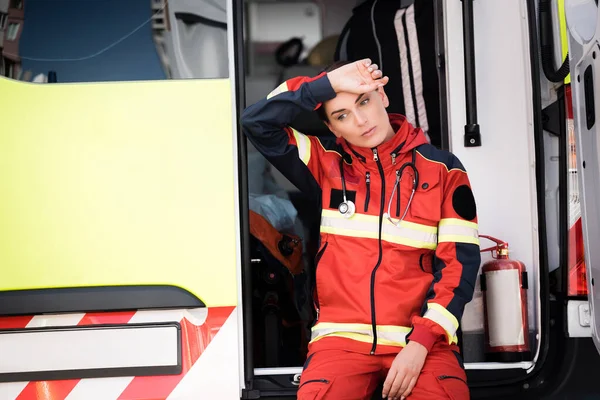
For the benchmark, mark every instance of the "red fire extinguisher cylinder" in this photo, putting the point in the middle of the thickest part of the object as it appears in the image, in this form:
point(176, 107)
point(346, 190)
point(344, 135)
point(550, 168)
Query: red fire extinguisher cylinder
point(504, 285)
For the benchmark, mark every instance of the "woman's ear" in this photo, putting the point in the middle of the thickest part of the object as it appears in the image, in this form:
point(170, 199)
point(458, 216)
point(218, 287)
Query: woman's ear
point(384, 99)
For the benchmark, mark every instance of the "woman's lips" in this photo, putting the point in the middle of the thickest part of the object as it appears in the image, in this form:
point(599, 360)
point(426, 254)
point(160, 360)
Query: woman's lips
point(369, 132)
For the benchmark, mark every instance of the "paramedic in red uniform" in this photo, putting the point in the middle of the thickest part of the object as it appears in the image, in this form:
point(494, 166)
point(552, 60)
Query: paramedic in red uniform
point(399, 248)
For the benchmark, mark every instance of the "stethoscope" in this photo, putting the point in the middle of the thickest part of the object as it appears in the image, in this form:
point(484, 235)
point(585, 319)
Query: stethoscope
point(347, 208)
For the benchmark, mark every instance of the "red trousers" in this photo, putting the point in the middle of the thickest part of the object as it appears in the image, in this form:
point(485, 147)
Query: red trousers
point(339, 374)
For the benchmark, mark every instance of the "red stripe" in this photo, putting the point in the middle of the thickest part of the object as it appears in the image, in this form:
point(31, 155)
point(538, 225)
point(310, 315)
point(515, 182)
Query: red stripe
point(47, 390)
point(89, 319)
point(15, 322)
point(294, 84)
point(194, 341)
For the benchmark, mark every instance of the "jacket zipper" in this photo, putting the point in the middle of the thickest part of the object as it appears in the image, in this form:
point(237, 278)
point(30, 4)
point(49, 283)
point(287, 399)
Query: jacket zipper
point(443, 377)
point(381, 207)
point(398, 193)
point(314, 381)
point(368, 180)
point(395, 152)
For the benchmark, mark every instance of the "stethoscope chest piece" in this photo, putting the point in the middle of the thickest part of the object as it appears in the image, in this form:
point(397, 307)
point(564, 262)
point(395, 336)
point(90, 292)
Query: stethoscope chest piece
point(347, 208)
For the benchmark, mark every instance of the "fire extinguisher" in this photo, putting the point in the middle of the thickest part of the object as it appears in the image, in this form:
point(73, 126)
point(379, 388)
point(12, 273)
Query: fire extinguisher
point(504, 286)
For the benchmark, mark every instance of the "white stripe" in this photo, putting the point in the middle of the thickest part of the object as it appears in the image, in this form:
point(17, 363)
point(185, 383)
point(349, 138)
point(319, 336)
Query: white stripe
point(215, 374)
point(398, 337)
point(277, 371)
point(390, 231)
point(99, 388)
point(370, 229)
point(11, 390)
point(41, 321)
point(197, 316)
point(278, 90)
point(415, 55)
point(437, 316)
point(409, 109)
point(458, 230)
point(303, 144)
point(88, 348)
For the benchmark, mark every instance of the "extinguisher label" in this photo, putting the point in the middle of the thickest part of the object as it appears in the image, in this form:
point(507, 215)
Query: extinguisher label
point(504, 308)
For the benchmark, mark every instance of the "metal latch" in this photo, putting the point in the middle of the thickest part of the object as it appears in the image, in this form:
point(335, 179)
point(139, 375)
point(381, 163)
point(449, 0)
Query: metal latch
point(296, 379)
point(584, 315)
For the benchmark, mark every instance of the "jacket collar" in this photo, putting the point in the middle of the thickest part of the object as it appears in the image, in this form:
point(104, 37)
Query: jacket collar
point(390, 153)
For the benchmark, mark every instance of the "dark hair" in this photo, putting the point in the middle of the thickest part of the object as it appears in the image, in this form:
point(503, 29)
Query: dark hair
point(321, 110)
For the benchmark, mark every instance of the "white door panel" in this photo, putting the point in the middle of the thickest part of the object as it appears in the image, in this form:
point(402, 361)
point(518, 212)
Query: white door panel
point(584, 53)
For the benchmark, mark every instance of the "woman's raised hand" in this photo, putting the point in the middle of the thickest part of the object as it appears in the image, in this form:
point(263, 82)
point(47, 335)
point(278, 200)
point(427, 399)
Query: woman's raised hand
point(358, 77)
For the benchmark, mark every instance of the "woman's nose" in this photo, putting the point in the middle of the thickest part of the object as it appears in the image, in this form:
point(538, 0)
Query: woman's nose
point(360, 118)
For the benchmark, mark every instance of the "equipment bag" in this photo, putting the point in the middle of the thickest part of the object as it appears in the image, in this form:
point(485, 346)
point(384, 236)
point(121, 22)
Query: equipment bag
point(399, 36)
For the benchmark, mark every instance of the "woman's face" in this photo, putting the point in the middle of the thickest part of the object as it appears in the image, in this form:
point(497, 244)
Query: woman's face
point(360, 119)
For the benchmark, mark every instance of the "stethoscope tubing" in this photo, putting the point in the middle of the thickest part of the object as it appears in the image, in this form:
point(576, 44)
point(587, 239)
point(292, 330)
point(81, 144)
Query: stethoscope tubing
point(348, 208)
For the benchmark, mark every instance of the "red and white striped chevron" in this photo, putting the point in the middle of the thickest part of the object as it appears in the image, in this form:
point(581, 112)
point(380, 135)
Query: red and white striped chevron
point(209, 339)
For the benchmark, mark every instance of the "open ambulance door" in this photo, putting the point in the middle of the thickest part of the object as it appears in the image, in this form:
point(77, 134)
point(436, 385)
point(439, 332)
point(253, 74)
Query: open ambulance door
point(584, 54)
point(118, 231)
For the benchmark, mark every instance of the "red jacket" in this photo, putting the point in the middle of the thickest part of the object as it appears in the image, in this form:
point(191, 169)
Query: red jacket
point(377, 283)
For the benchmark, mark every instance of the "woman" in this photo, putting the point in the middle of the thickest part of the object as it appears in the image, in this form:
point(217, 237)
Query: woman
point(399, 248)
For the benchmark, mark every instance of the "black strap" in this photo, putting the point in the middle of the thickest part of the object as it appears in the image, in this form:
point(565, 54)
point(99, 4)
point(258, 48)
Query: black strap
point(524, 280)
point(343, 179)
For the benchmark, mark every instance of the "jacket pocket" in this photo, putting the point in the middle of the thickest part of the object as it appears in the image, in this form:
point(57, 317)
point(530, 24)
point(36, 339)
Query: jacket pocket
point(426, 263)
point(455, 387)
point(314, 389)
point(427, 202)
point(316, 302)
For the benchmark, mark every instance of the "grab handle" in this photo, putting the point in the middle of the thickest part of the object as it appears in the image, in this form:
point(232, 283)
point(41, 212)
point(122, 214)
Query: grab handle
point(472, 133)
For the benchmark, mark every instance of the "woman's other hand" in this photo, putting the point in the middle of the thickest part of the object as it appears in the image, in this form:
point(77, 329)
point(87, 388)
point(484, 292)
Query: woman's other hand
point(404, 372)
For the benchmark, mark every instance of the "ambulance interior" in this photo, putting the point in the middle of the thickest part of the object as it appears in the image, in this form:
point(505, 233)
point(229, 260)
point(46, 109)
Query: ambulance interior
point(289, 38)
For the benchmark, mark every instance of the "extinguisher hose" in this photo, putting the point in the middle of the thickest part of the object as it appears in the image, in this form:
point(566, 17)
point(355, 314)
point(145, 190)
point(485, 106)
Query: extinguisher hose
point(493, 239)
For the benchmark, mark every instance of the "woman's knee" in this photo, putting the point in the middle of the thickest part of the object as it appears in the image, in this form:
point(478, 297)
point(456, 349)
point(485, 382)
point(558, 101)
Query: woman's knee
point(440, 386)
point(314, 389)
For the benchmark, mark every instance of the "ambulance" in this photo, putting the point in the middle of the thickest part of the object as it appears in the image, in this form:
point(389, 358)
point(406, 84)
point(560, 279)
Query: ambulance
point(147, 251)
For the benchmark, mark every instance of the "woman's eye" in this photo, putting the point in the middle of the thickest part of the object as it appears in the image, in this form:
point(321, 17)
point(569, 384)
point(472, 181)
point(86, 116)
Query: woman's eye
point(341, 117)
point(365, 101)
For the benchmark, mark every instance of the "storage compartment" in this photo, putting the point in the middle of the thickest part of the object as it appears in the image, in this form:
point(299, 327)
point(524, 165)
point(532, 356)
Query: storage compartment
point(504, 171)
